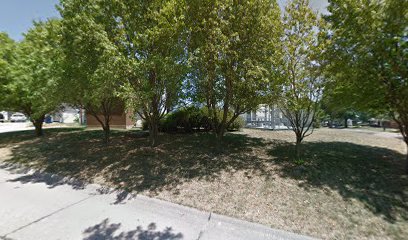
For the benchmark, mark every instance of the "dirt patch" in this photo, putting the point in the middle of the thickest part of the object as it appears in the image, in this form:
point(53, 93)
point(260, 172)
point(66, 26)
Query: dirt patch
point(5, 153)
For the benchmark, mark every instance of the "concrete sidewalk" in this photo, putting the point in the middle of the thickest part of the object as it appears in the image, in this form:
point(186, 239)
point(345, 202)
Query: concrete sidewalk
point(42, 206)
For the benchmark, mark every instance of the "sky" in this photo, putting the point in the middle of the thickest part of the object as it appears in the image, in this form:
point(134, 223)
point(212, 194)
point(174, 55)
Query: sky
point(16, 16)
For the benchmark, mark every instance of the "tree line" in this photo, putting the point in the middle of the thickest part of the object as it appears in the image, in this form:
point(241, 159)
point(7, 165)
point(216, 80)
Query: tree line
point(228, 56)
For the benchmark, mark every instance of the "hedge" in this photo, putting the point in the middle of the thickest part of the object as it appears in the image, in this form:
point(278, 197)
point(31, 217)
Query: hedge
point(192, 119)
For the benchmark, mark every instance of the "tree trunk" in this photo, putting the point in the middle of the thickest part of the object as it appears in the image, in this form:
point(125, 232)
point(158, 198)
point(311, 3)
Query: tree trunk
point(220, 134)
point(345, 123)
point(403, 127)
point(38, 124)
point(298, 151)
point(153, 132)
point(298, 146)
point(406, 157)
point(106, 130)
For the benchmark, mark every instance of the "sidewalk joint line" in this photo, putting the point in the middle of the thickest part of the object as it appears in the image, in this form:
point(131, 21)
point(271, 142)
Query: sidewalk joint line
point(46, 216)
point(200, 234)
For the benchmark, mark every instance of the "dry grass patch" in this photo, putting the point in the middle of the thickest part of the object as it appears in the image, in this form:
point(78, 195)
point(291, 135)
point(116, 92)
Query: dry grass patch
point(349, 186)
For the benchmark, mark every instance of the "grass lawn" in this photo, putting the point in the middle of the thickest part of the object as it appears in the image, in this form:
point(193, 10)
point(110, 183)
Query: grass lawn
point(350, 185)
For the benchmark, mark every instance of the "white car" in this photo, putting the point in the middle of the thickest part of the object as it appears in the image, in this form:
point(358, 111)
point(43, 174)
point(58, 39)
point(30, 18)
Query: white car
point(18, 117)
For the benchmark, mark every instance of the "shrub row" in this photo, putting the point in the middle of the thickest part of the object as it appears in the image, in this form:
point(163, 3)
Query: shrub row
point(192, 119)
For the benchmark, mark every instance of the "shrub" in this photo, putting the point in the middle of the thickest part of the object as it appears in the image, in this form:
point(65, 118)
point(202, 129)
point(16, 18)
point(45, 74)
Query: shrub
point(191, 119)
point(168, 123)
point(237, 124)
point(316, 124)
point(187, 119)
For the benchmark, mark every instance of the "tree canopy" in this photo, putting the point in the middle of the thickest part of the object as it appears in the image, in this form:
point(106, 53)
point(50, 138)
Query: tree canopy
point(94, 68)
point(232, 50)
point(368, 56)
point(34, 74)
point(301, 68)
point(7, 58)
point(154, 46)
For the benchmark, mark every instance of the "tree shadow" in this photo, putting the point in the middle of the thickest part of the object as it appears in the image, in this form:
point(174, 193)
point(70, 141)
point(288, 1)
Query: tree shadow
point(51, 180)
point(129, 163)
point(371, 175)
point(29, 134)
point(111, 231)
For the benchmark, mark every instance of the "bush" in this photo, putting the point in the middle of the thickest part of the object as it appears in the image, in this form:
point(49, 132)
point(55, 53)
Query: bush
point(168, 123)
point(191, 119)
point(317, 124)
point(237, 124)
point(187, 119)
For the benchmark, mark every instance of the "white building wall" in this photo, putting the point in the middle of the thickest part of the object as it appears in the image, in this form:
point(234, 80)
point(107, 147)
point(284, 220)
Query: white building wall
point(66, 115)
point(6, 115)
point(266, 116)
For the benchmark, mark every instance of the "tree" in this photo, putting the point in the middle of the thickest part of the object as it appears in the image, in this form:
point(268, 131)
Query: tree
point(93, 65)
point(154, 46)
point(334, 110)
point(232, 46)
point(34, 74)
point(370, 70)
point(7, 58)
point(130, 49)
point(301, 68)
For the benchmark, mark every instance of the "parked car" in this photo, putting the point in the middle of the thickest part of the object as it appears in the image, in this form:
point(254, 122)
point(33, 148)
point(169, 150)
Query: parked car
point(1, 117)
point(18, 117)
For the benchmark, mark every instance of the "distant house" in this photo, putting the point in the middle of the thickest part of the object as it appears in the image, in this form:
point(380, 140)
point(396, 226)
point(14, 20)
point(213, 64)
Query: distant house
point(374, 122)
point(119, 119)
point(269, 117)
point(67, 114)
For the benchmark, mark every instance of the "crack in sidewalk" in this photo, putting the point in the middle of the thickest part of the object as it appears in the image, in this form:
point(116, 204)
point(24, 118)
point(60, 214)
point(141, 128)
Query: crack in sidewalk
point(44, 217)
point(200, 234)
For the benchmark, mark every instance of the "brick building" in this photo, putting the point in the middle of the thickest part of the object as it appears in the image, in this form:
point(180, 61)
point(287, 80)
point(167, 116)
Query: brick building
point(120, 119)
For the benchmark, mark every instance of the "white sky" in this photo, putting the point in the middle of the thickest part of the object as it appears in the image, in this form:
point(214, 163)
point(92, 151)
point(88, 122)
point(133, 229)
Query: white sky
point(318, 5)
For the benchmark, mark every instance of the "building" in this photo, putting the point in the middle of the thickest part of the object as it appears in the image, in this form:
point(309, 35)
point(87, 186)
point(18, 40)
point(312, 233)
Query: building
point(384, 123)
point(119, 119)
point(269, 117)
point(67, 114)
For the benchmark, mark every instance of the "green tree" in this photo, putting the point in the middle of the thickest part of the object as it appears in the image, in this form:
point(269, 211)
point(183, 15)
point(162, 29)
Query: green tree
point(7, 59)
point(336, 111)
point(34, 74)
point(232, 46)
point(302, 64)
point(154, 45)
point(129, 48)
point(94, 68)
point(368, 56)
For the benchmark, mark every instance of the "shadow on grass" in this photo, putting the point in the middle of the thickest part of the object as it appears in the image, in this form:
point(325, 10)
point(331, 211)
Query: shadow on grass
point(129, 163)
point(29, 134)
point(111, 231)
point(371, 175)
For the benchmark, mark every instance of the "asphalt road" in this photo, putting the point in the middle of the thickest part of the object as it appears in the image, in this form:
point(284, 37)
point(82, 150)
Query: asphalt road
point(41, 206)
